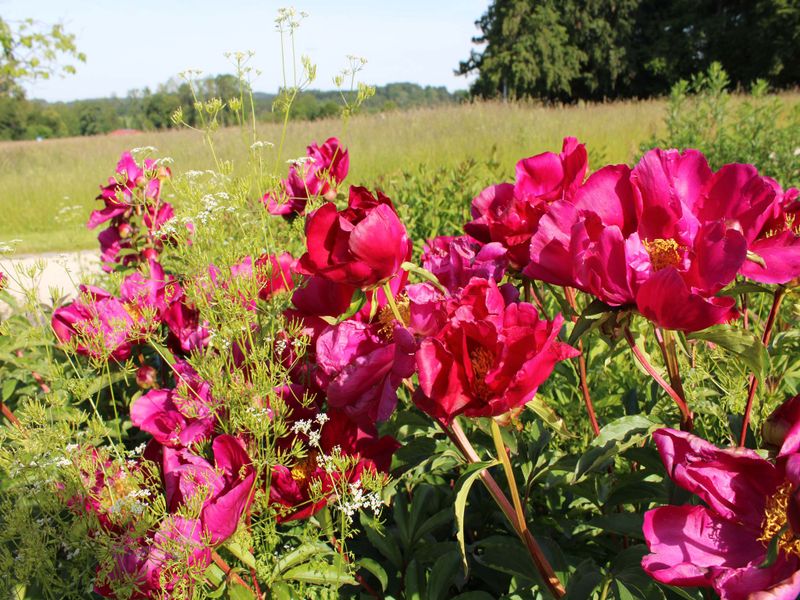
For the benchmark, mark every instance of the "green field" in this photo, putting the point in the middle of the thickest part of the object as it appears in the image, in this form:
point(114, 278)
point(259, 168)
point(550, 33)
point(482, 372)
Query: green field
point(47, 188)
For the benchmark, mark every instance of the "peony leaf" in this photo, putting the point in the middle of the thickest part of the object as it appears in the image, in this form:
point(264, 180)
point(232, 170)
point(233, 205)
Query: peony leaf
point(744, 344)
point(376, 569)
point(549, 416)
point(426, 275)
point(462, 488)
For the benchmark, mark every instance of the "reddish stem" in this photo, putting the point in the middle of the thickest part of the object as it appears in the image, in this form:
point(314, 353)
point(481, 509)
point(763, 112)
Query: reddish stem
point(220, 562)
point(9, 415)
point(751, 394)
point(459, 438)
point(686, 415)
point(587, 398)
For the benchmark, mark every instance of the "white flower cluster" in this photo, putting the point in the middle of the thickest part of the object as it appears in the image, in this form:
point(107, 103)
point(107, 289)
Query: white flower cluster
point(134, 502)
point(359, 500)
point(212, 205)
point(260, 145)
point(306, 427)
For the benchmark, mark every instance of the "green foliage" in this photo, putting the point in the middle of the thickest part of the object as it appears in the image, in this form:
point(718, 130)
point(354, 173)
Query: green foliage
point(31, 50)
point(629, 48)
point(760, 129)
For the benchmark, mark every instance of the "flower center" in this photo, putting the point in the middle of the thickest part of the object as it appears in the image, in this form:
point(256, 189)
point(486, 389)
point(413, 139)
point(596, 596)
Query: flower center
point(663, 253)
point(305, 468)
point(481, 360)
point(386, 318)
point(775, 520)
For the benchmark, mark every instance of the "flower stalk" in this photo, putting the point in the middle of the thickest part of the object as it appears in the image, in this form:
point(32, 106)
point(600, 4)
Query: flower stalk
point(587, 398)
point(687, 417)
point(751, 394)
point(459, 438)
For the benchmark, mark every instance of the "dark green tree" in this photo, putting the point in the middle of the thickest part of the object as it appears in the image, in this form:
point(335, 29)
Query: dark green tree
point(594, 49)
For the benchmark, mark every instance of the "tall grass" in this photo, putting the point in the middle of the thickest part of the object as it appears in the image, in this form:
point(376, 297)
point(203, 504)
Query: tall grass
point(47, 188)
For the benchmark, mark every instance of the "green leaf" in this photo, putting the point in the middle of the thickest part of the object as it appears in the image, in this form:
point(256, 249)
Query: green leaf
point(376, 569)
point(357, 302)
point(745, 287)
point(474, 596)
point(745, 344)
point(412, 582)
point(586, 579)
point(239, 592)
point(9, 385)
point(443, 575)
point(426, 275)
point(320, 574)
point(243, 554)
point(549, 416)
point(384, 544)
point(463, 485)
point(614, 438)
point(591, 318)
point(164, 352)
point(301, 554)
point(756, 259)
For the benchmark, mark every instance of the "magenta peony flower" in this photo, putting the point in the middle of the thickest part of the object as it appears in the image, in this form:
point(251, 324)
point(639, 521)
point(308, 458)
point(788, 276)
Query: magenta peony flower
point(180, 416)
point(749, 501)
point(777, 242)
point(362, 245)
point(149, 566)
point(186, 332)
point(456, 260)
point(489, 358)
point(224, 491)
point(649, 238)
point(509, 214)
point(322, 173)
point(131, 180)
point(274, 274)
point(360, 371)
point(98, 325)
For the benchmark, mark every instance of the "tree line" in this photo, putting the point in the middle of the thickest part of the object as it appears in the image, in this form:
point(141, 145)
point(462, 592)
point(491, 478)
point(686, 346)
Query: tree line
point(564, 50)
point(21, 118)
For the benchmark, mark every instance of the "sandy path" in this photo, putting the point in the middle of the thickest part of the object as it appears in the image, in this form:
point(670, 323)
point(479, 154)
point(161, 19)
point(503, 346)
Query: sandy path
point(55, 274)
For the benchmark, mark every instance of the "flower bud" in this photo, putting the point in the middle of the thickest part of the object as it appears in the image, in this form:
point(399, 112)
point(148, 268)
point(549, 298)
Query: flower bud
point(146, 377)
point(779, 424)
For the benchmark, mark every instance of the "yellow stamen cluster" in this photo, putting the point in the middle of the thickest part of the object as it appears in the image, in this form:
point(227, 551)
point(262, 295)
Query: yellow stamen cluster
point(386, 318)
point(481, 360)
point(663, 253)
point(305, 468)
point(775, 519)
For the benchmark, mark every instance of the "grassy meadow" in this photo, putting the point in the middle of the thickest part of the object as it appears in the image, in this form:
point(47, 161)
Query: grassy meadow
point(47, 189)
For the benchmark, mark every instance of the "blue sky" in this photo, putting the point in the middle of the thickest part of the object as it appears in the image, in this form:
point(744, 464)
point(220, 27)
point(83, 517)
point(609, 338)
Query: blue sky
point(145, 42)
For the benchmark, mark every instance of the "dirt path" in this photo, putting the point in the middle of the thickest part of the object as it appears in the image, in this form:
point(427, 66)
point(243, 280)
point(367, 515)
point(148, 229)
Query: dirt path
point(52, 275)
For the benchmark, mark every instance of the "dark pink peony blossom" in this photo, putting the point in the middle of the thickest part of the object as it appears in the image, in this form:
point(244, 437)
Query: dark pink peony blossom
point(224, 490)
point(274, 274)
point(723, 545)
point(456, 260)
point(777, 242)
point(360, 371)
point(320, 175)
point(509, 214)
point(180, 416)
point(98, 324)
point(291, 485)
point(187, 332)
point(149, 567)
point(781, 430)
point(146, 377)
point(648, 238)
point(489, 358)
point(361, 246)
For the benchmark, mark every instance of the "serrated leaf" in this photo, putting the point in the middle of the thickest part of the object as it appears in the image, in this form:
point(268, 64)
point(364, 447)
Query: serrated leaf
point(463, 485)
point(614, 438)
point(745, 344)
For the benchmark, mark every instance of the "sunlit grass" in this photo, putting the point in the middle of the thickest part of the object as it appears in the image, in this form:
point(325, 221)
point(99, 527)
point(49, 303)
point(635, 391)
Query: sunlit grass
point(47, 189)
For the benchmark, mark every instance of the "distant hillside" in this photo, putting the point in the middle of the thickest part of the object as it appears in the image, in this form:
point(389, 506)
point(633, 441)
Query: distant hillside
point(147, 110)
